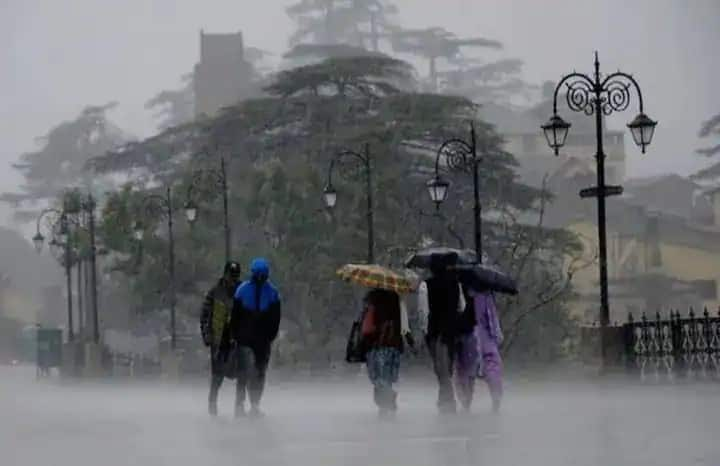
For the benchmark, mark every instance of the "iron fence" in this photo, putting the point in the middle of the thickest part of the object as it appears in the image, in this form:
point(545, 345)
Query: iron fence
point(678, 347)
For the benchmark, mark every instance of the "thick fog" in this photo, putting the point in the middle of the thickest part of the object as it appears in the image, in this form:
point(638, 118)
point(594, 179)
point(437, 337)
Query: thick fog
point(56, 59)
point(59, 57)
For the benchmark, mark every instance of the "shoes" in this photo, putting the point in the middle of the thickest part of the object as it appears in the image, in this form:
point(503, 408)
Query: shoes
point(386, 414)
point(212, 409)
point(255, 412)
point(447, 409)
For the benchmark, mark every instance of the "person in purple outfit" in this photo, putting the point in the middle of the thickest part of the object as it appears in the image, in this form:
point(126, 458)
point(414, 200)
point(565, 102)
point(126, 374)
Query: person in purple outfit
point(479, 353)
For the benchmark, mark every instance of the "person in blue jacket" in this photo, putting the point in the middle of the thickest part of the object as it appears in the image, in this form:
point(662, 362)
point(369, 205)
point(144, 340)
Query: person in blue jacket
point(254, 325)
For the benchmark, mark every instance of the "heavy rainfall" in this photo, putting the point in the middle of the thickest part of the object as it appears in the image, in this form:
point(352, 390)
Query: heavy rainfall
point(377, 232)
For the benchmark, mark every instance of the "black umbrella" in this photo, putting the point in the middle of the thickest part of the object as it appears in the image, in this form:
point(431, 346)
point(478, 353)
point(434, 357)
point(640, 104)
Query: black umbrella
point(483, 277)
point(479, 277)
point(421, 259)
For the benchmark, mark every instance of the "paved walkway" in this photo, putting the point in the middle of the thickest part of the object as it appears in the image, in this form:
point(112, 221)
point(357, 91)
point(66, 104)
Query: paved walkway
point(49, 423)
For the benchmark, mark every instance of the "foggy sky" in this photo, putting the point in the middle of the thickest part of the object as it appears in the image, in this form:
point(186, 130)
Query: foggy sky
point(58, 57)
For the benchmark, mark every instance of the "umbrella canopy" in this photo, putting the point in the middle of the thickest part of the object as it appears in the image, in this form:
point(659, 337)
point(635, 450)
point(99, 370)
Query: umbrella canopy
point(376, 276)
point(482, 277)
point(421, 259)
point(479, 277)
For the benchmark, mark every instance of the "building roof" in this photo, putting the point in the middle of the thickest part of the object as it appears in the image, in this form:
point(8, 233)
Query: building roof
point(641, 182)
point(671, 193)
point(222, 47)
point(628, 215)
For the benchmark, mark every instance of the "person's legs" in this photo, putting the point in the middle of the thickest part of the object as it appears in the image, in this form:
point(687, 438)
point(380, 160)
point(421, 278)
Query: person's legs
point(493, 373)
point(244, 361)
point(465, 389)
point(216, 380)
point(256, 379)
point(383, 368)
point(466, 363)
point(442, 359)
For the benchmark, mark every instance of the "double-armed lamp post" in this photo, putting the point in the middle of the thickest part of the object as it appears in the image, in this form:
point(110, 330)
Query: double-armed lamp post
point(59, 240)
point(152, 205)
point(163, 204)
point(599, 95)
point(86, 204)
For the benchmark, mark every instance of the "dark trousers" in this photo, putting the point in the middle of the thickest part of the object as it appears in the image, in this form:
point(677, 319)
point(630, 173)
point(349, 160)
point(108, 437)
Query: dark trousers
point(218, 370)
point(252, 367)
point(443, 357)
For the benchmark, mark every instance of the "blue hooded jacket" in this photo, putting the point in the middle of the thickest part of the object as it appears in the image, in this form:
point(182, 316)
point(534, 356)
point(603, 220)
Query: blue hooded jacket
point(256, 312)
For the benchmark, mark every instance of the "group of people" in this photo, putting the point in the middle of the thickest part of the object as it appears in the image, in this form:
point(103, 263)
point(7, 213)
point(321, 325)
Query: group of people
point(462, 334)
point(240, 320)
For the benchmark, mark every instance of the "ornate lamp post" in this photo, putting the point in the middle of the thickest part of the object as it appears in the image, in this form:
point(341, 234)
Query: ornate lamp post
point(55, 245)
point(153, 203)
point(600, 96)
point(86, 204)
point(218, 179)
point(351, 163)
point(459, 155)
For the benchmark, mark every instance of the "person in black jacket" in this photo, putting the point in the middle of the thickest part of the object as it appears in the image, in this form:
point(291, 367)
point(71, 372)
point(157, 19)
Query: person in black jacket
point(254, 325)
point(215, 329)
point(441, 303)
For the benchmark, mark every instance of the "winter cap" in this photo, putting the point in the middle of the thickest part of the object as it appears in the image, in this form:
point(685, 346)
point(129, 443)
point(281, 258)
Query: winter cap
point(232, 269)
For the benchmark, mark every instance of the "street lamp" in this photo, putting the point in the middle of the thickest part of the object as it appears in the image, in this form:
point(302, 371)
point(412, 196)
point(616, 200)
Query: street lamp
point(38, 241)
point(462, 156)
point(353, 162)
point(556, 131)
point(191, 211)
point(218, 179)
point(138, 231)
point(642, 129)
point(165, 206)
point(330, 196)
point(600, 96)
point(438, 189)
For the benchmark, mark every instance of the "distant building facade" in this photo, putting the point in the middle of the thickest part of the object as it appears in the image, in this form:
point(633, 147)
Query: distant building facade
point(223, 76)
point(663, 245)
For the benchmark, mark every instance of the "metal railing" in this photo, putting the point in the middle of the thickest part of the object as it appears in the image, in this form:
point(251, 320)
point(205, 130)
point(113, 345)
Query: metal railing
point(678, 347)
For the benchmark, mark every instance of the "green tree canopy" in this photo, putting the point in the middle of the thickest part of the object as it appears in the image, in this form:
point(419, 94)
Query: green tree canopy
point(278, 150)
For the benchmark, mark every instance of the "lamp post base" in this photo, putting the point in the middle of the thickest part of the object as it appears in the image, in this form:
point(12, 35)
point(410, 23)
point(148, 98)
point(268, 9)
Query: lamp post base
point(93, 361)
point(170, 365)
point(71, 359)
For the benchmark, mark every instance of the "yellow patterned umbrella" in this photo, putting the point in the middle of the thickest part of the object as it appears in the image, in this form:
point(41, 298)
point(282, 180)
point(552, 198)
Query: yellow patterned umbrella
point(376, 276)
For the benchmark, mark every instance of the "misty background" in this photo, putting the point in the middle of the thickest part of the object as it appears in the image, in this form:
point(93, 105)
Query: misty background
point(59, 57)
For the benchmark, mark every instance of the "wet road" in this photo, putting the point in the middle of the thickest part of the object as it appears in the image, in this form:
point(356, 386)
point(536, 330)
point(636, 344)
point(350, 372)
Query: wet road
point(48, 423)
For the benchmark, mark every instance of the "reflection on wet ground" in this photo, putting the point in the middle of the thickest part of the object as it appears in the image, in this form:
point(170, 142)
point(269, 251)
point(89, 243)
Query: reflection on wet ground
point(48, 423)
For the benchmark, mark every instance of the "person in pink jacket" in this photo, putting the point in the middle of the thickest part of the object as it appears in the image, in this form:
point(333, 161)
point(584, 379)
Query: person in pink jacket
point(479, 353)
